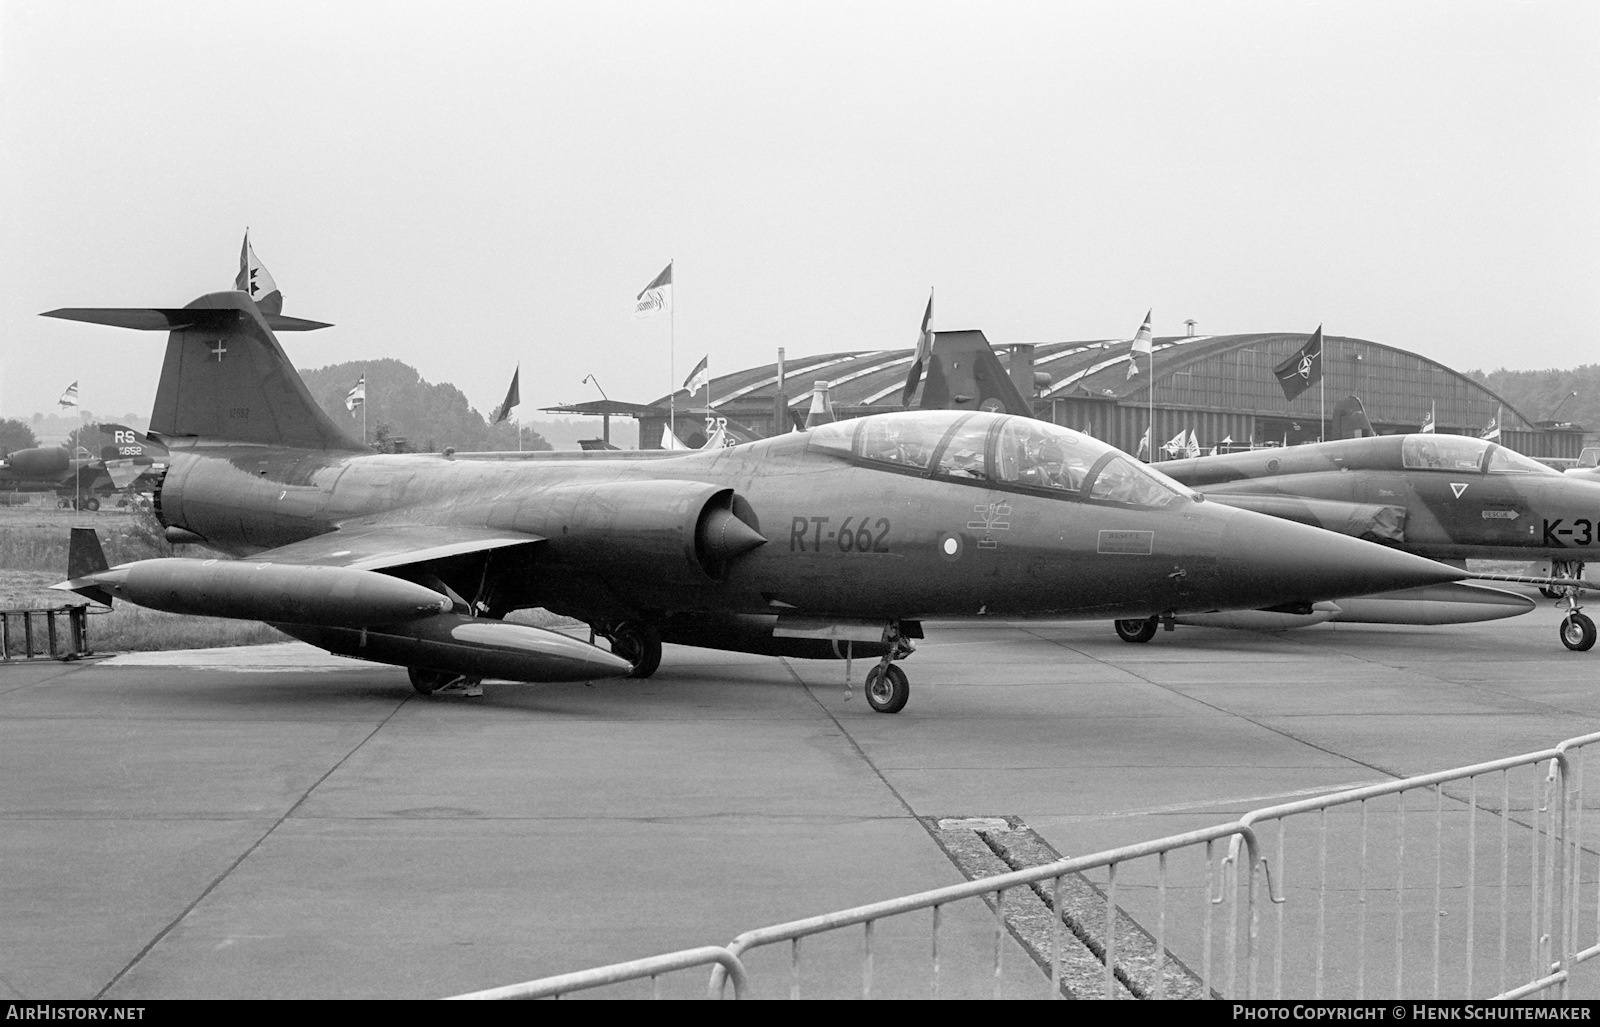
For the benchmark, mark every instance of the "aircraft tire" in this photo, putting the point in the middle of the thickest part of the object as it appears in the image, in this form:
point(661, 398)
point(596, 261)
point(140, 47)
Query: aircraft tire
point(1136, 629)
point(639, 644)
point(1577, 632)
point(91, 504)
point(887, 689)
point(426, 682)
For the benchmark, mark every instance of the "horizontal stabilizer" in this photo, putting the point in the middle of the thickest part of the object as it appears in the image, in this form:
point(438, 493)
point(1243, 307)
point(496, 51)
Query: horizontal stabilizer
point(171, 319)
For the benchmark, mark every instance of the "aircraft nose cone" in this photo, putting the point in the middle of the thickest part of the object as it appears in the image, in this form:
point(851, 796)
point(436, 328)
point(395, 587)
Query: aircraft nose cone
point(1300, 563)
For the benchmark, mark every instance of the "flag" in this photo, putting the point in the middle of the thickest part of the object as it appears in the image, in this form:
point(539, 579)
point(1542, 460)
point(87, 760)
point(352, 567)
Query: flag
point(69, 398)
point(1303, 369)
point(513, 397)
point(1428, 425)
point(254, 279)
point(920, 358)
point(669, 440)
point(357, 396)
point(1492, 433)
point(1141, 344)
point(1193, 448)
point(1144, 446)
point(655, 297)
point(1227, 440)
point(1179, 443)
point(698, 377)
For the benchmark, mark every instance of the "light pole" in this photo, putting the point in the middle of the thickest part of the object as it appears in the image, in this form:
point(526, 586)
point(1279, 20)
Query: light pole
point(1552, 415)
point(605, 416)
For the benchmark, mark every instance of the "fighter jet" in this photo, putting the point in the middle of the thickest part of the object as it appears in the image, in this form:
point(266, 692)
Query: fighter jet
point(836, 543)
point(1446, 497)
point(109, 458)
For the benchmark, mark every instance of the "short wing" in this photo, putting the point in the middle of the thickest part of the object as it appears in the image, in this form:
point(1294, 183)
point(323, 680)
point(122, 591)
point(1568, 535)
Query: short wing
point(384, 546)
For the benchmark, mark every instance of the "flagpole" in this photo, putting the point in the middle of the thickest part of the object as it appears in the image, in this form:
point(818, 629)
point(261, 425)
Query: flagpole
point(363, 404)
point(1322, 391)
point(1150, 457)
point(672, 353)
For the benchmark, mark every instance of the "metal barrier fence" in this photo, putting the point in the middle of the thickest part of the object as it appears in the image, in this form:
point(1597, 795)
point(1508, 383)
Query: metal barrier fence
point(58, 643)
point(1466, 883)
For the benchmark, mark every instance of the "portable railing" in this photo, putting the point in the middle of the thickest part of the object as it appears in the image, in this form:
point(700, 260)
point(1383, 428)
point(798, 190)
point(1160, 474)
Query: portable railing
point(1484, 898)
point(22, 639)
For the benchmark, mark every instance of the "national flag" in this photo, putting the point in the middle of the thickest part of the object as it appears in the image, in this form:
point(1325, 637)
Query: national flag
point(669, 440)
point(655, 297)
point(1303, 368)
point(1179, 443)
point(920, 358)
point(513, 397)
point(357, 396)
point(699, 376)
point(1492, 432)
point(254, 279)
point(1428, 425)
point(1142, 343)
point(69, 398)
point(1193, 448)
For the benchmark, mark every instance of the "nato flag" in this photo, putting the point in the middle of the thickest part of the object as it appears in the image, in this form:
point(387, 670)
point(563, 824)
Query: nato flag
point(1303, 368)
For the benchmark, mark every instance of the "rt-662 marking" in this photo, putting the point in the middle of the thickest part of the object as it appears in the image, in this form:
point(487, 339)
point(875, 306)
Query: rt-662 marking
point(867, 536)
point(1582, 533)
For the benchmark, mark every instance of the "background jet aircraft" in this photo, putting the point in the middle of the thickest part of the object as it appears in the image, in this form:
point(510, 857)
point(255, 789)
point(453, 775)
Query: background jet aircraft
point(1447, 497)
point(108, 458)
point(832, 543)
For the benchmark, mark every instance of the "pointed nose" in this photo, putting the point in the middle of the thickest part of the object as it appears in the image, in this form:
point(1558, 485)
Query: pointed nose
point(1261, 554)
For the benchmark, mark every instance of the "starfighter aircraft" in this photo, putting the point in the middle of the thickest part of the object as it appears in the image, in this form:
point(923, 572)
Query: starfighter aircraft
point(1446, 497)
point(108, 458)
point(833, 543)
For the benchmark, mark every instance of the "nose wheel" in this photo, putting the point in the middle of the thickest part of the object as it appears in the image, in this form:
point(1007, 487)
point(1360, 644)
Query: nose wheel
point(887, 688)
point(1577, 632)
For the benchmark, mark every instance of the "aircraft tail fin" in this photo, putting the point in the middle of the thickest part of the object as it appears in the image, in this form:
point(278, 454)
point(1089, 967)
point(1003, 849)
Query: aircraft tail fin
point(225, 378)
point(84, 558)
point(964, 374)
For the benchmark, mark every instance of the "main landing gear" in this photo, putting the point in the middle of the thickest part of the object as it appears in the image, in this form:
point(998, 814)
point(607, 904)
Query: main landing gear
point(636, 642)
point(443, 682)
point(1577, 630)
point(1137, 629)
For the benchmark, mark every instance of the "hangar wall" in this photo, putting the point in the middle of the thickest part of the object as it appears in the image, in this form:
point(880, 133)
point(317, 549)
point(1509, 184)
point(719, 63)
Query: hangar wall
point(1218, 386)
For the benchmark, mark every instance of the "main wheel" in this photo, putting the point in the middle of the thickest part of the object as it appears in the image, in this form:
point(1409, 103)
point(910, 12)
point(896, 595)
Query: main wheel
point(1577, 632)
point(887, 689)
point(639, 644)
point(1136, 629)
point(91, 504)
point(426, 682)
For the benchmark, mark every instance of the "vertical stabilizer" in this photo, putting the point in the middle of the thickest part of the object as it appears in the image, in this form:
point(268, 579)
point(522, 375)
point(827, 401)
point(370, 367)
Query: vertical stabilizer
point(225, 378)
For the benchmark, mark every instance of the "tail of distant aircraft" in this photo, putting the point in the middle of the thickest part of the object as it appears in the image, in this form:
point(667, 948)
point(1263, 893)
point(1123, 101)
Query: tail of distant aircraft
point(964, 374)
point(225, 378)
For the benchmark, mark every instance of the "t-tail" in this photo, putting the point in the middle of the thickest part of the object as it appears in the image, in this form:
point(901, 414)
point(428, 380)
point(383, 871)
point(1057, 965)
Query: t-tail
point(225, 377)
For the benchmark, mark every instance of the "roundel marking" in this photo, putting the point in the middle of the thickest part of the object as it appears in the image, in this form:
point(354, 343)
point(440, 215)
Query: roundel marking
point(950, 546)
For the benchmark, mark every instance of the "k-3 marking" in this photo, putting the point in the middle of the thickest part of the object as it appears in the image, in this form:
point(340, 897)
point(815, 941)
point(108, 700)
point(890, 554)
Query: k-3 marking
point(1582, 533)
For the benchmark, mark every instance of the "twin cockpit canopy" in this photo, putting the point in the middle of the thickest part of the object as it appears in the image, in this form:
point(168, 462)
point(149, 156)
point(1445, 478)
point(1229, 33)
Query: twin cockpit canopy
point(1463, 453)
point(998, 450)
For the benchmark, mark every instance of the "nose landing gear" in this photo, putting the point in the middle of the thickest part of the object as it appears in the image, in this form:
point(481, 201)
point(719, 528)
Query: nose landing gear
point(1577, 630)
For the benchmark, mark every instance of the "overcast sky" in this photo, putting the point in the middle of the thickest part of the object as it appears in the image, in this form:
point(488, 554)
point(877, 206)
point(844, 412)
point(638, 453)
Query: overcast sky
point(464, 186)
